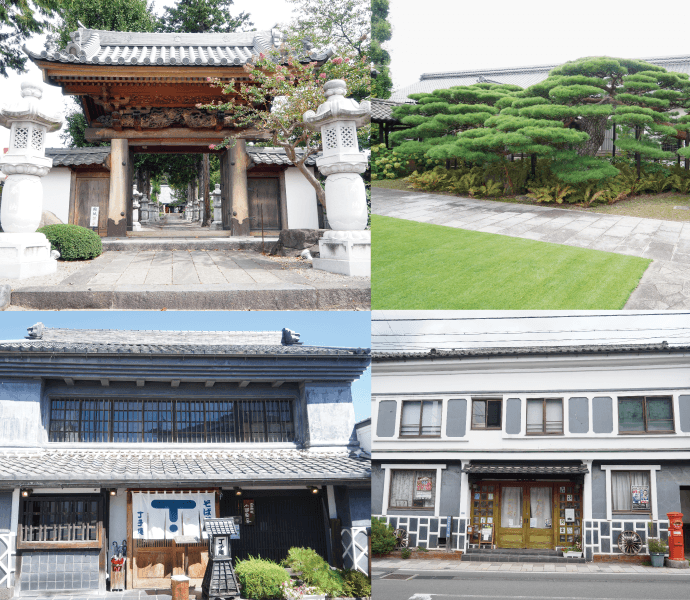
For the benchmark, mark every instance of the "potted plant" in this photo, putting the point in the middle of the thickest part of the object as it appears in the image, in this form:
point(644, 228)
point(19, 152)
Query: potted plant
point(573, 551)
point(657, 550)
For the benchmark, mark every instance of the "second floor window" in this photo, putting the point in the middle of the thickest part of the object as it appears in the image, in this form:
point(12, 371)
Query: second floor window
point(642, 414)
point(486, 414)
point(545, 416)
point(421, 418)
point(181, 421)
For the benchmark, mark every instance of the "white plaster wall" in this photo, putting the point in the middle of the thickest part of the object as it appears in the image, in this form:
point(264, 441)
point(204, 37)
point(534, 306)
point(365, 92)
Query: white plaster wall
point(118, 519)
point(364, 438)
point(56, 186)
point(301, 201)
point(555, 377)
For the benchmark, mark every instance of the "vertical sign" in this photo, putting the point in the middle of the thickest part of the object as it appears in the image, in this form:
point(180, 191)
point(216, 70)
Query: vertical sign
point(249, 511)
point(94, 217)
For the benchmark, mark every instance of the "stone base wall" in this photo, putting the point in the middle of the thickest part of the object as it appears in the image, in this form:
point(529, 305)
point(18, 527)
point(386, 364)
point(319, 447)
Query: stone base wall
point(425, 532)
point(601, 536)
point(57, 570)
point(637, 559)
point(431, 554)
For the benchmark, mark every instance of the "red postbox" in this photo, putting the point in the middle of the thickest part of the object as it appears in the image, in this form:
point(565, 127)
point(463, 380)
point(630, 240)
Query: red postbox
point(676, 546)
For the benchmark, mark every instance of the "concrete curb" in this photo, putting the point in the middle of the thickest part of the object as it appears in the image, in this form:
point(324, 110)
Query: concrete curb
point(293, 298)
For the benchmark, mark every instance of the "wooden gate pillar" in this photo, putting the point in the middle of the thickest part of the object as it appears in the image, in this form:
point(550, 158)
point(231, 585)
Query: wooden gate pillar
point(239, 197)
point(117, 204)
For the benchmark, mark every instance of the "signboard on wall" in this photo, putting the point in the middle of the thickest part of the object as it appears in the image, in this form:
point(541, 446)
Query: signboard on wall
point(161, 516)
point(94, 216)
point(249, 511)
point(640, 497)
point(424, 485)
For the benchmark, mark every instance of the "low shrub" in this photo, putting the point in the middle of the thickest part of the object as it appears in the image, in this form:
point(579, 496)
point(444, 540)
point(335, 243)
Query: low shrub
point(261, 579)
point(73, 242)
point(382, 536)
point(315, 571)
point(356, 584)
point(406, 553)
point(657, 546)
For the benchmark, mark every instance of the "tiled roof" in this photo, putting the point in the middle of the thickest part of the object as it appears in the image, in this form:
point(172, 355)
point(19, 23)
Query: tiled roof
point(274, 156)
point(183, 466)
point(67, 157)
point(95, 46)
point(499, 468)
point(381, 110)
point(522, 76)
point(529, 351)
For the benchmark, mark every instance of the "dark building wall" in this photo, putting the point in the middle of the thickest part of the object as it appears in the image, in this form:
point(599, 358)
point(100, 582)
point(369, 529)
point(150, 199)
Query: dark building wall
point(377, 478)
point(450, 491)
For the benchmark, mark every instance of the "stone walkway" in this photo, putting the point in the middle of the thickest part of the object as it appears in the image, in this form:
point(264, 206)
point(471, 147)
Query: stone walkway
point(665, 284)
point(380, 567)
point(195, 280)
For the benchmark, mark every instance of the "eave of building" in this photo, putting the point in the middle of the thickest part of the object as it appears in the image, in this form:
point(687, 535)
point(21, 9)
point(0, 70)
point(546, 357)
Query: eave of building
point(647, 453)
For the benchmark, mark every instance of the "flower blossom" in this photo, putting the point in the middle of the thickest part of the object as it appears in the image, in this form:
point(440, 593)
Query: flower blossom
point(212, 147)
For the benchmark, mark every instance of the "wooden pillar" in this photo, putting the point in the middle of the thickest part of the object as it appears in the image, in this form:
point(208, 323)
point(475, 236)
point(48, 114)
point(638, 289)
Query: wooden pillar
point(206, 191)
point(239, 197)
point(129, 188)
point(225, 208)
point(283, 202)
point(117, 203)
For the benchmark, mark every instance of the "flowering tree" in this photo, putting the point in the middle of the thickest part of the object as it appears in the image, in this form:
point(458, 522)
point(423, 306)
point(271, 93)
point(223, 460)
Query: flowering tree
point(281, 88)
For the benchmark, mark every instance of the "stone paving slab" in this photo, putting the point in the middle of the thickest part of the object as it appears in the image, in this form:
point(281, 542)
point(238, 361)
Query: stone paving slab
point(664, 285)
point(196, 280)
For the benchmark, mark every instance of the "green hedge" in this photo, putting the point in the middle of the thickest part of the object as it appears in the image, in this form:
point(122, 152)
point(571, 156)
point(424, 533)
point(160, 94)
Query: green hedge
point(260, 579)
point(315, 571)
point(73, 242)
point(357, 584)
point(382, 536)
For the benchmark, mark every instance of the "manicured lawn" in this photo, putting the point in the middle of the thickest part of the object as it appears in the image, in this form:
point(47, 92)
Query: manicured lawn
point(417, 266)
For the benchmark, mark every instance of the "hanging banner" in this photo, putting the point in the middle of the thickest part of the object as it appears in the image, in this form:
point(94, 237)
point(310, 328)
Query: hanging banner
point(640, 497)
point(159, 516)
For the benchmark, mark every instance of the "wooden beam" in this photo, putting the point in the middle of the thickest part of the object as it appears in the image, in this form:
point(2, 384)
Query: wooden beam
point(117, 201)
point(244, 384)
point(172, 134)
point(69, 381)
point(209, 384)
point(277, 384)
point(239, 197)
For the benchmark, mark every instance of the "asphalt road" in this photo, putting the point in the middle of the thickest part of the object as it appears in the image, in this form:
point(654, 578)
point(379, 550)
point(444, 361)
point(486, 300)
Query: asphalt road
point(528, 586)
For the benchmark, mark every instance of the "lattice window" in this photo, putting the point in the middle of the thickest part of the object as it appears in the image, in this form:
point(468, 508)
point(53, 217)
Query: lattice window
point(21, 137)
point(331, 141)
point(348, 137)
point(181, 421)
point(37, 139)
point(60, 519)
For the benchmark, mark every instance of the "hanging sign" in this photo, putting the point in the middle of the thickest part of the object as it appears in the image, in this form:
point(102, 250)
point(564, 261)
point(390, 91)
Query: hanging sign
point(423, 488)
point(569, 515)
point(640, 497)
point(160, 516)
point(249, 511)
point(94, 217)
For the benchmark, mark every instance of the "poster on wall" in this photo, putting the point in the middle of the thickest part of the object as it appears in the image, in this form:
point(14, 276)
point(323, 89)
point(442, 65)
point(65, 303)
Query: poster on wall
point(423, 488)
point(640, 497)
point(160, 516)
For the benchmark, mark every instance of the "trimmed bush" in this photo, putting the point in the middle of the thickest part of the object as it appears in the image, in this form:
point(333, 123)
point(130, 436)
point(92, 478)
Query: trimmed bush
point(73, 242)
point(382, 536)
point(315, 571)
point(357, 584)
point(261, 579)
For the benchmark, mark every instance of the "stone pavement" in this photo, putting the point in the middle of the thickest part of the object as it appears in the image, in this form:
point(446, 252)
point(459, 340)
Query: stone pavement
point(380, 567)
point(666, 284)
point(196, 280)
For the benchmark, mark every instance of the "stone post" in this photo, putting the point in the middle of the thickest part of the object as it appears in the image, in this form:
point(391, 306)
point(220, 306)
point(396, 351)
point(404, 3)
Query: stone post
point(23, 252)
point(347, 248)
point(144, 219)
point(188, 210)
point(136, 197)
point(217, 214)
point(179, 587)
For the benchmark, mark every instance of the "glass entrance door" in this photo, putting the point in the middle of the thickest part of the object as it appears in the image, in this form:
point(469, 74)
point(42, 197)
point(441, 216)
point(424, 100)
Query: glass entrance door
point(539, 529)
point(526, 516)
point(511, 530)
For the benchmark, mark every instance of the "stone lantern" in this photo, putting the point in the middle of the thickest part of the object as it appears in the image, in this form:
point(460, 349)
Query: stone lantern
point(144, 218)
point(217, 215)
point(346, 248)
point(23, 252)
point(136, 197)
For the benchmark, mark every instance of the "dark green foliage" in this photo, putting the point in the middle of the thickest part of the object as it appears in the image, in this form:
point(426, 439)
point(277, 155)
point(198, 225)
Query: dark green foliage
point(110, 15)
point(19, 20)
point(382, 536)
point(315, 571)
point(260, 579)
point(202, 16)
point(381, 32)
point(73, 242)
point(356, 584)
point(405, 553)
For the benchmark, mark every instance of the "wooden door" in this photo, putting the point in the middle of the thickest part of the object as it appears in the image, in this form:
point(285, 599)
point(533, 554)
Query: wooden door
point(539, 506)
point(568, 504)
point(484, 503)
point(91, 190)
point(511, 516)
point(264, 202)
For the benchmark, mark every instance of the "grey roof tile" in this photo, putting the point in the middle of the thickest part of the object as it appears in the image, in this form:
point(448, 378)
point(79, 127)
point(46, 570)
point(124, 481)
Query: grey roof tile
point(522, 76)
point(115, 465)
point(67, 157)
point(542, 469)
point(275, 156)
point(528, 351)
point(381, 110)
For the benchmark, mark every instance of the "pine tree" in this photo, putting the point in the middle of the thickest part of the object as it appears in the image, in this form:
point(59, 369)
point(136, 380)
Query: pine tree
point(202, 16)
point(381, 32)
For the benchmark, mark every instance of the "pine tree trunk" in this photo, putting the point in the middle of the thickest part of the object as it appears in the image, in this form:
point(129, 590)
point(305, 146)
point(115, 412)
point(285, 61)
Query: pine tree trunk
point(595, 127)
point(533, 159)
point(638, 156)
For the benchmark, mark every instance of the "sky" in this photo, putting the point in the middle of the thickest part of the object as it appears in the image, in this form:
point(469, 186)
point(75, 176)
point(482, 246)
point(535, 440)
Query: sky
point(344, 329)
point(422, 330)
point(448, 36)
point(265, 15)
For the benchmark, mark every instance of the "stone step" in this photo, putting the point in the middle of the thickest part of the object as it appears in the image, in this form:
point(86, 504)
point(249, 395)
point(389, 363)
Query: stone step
point(520, 551)
point(187, 242)
point(521, 558)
